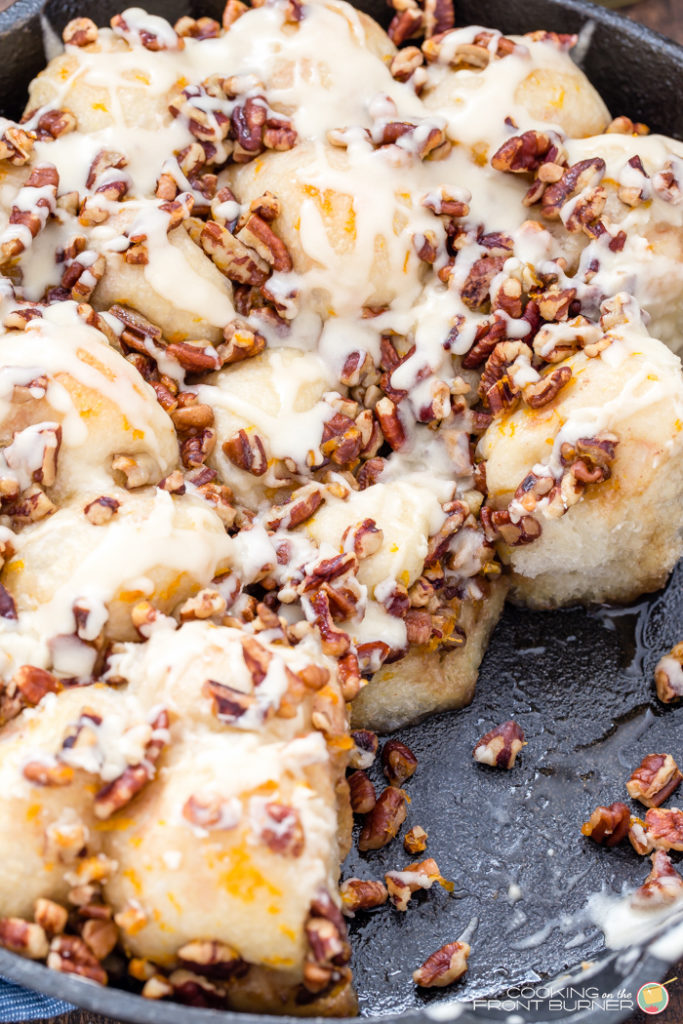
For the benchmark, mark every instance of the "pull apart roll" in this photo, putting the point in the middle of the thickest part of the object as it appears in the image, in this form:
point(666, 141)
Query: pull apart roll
point(600, 471)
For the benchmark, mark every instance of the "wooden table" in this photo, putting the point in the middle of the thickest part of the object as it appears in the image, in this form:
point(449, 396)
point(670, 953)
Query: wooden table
point(666, 16)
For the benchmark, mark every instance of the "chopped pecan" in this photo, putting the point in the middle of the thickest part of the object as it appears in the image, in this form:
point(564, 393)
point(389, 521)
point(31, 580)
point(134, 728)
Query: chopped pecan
point(257, 659)
point(415, 840)
point(50, 916)
point(197, 28)
point(210, 811)
point(365, 746)
point(668, 183)
point(43, 773)
point(258, 235)
point(121, 790)
point(364, 538)
point(100, 510)
point(213, 958)
point(281, 829)
point(662, 886)
point(246, 451)
point(402, 884)
point(80, 32)
point(444, 966)
point(205, 604)
point(16, 144)
point(384, 821)
point(23, 937)
point(362, 792)
point(389, 420)
point(241, 342)
point(146, 30)
point(664, 828)
point(476, 289)
point(499, 747)
point(232, 257)
point(301, 506)
point(70, 955)
point(669, 675)
point(195, 450)
point(580, 176)
point(398, 762)
point(100, 936)
point(34, 683)
point(229, 705)
point(456, 514)
point(334, 641)
point(357, 894)
point(655, 780)
point(525, 152)
point(608, 825)
point(546, 390)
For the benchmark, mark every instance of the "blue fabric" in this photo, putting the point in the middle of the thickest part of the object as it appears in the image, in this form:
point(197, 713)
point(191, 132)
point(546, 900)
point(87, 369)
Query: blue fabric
point(19, 1004)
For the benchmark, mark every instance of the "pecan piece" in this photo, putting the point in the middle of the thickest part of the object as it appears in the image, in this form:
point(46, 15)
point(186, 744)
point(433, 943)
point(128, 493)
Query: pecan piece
point(547, 388)
point(444, 966)
point(213, 958)
point(398, 762)
point(357, 894)
point(669, 675)
point(228, 704)
point(42, 773)
point(257, 234)
point(21, 936)
point(402, 884)
point(232, 257)
point(246, 451)
point(655, 780)
point(101, 510)
point(281, 830)
point(387, 413)
point(70, 955)
point(662, 886)
point(301, 506)
point(34, 683)
point(80, 32)
point(415, 840)
point(50, 916)
point(477, 287)
point(361, 792)
point(365, 745)
point(608, 825)
point(100, 936)
point(664, 828)
point(121, 790)
point(524, 152)
point(384, 821)
point(241, 342)
point(580, 176)
point(499, 747)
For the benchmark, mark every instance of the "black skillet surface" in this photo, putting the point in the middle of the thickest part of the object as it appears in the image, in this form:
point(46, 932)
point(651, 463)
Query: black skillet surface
point(579, 682)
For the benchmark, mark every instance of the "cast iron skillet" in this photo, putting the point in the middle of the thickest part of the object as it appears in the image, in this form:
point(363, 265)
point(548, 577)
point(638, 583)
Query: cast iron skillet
point(579, 682)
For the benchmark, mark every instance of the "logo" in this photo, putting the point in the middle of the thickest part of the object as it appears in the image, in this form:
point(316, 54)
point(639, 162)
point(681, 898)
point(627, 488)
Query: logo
point(653, 998)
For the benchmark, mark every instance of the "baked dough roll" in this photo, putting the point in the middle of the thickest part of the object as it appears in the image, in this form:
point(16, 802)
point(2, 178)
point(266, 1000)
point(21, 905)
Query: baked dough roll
point(84, 569)
point(178, 289)
point(620, 416)
point(266, 409)
point(69, 404)
point(434, 671)
point(645, 204)
point(238, 839)
point(477, 85)
point(428, 679)
point(47, 799)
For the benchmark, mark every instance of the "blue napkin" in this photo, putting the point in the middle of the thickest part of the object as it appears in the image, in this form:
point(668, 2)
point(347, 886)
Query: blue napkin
point(20, 1004)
